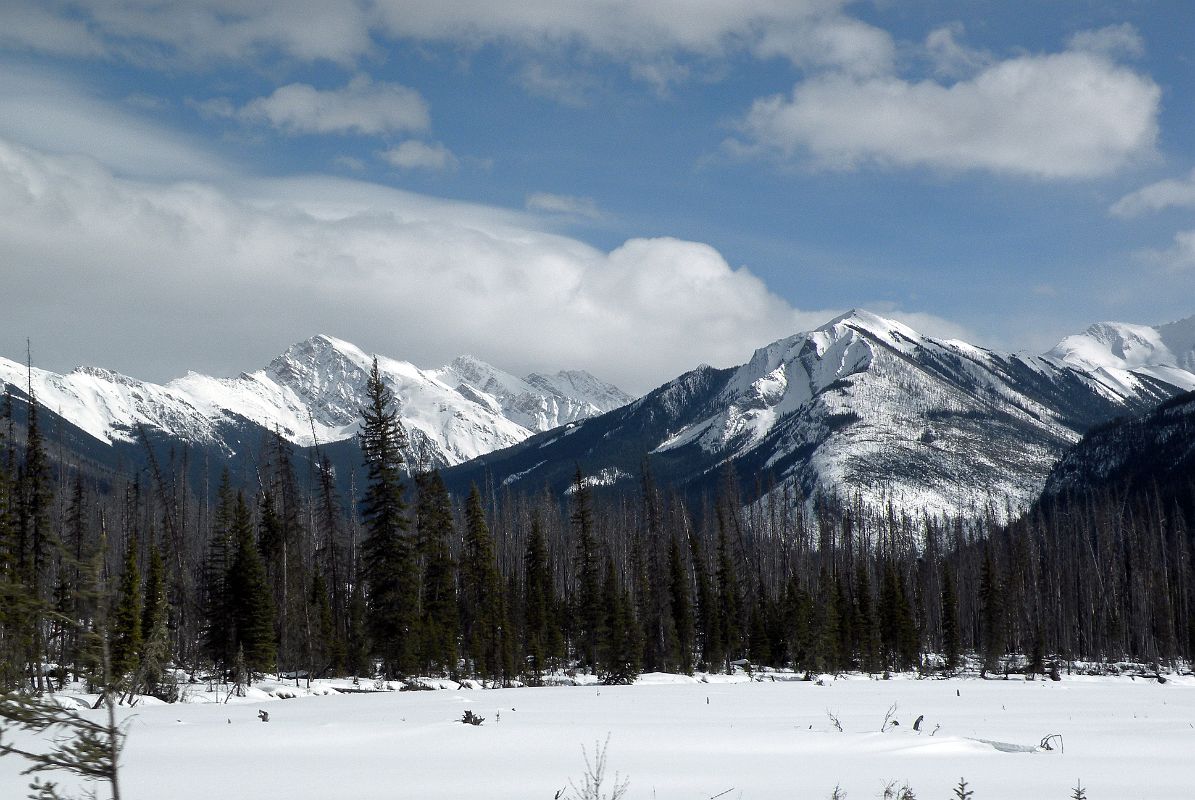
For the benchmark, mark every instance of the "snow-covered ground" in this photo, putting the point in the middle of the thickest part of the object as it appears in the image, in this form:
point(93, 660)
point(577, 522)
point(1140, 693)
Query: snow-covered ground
point(673, 737)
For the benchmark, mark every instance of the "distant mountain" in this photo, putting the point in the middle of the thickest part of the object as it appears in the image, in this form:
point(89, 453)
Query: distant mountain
point(1110, 351)
point(1151, 455)
point(536, 402)
point(313, 392)
point(862, 405)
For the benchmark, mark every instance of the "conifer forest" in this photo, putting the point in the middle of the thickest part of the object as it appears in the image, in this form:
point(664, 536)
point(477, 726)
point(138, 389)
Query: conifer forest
point(164, 582)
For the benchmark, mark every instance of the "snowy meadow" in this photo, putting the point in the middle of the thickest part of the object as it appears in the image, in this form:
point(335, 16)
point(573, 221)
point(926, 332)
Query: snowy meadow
point(671, 737)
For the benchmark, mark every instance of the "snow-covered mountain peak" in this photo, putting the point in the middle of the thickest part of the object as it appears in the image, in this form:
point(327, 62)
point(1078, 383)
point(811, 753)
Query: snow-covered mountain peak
point(313, 392)
point(891, 332)
point(537, 402)
point(1110, 350)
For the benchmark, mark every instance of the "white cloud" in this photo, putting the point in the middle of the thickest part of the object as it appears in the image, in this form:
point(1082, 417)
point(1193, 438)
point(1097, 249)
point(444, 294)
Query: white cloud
point(950, 57)
point(1170, 193)
point(639, 32)
point(833, 40)
point(44, 110)
point(414, 154)
point(1065, 115)
point(362, 106)
point(220, 276)
point(35, 26)
point(1114, 41)
point(1179, 257)
point(564, 204)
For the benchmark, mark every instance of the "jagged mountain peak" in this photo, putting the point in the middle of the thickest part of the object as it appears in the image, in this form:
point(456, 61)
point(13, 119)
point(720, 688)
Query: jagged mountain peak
point(861, 404)
point(1112, 350)
point(313, 392)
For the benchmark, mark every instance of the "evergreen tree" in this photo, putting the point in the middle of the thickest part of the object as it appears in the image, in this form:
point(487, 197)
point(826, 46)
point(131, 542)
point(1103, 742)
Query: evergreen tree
point(587, 572)
point(388, 560)
point(155, 652)
point(218, 624)
point(252, 609)
point(991, 613)
point(682, 607)
point(537, 602)
point(126, 615)
point(357, 647)
point(326, 652)
point(951, 646)
point(707, 616)
point(480, 600)
point(439, 618)
point(620, 644)
point(729, 601)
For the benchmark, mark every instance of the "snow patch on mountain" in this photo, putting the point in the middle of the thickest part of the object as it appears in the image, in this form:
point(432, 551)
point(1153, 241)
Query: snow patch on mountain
point(536, 402)
point(313, 392)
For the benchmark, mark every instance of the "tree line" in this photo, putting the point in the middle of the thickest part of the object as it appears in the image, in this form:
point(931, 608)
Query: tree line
point(402, 578)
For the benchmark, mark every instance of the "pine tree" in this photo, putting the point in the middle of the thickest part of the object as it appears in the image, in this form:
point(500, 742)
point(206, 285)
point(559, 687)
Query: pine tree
point(326, 652)
point(126, 616)
point(439, 618)
point(587, 571)
point(155, 652)
point(480, 600)
point(729, 601)
point(357, 646)
point(620, 641)
point(951, 646)
point(252, 609)
point(706, 617)
point(682, 607)
point(991, 613)
point(217, 609)
point(387, 553)
point(537, 601)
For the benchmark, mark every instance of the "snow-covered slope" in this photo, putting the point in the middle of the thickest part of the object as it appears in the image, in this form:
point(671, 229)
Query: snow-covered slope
point(861, 405)
point(537, 402)
point(1111, 350)
point(313, 392)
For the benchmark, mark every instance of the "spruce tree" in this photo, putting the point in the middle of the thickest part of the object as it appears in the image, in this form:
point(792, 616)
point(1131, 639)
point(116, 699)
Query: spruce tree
point(126, 616)
point(537, 602)
point(388, 560)
point(682, 607)
point(480, 600)
point(252, 608)
point(217, 609)
point(587, 574)
point(439, 620)
point(951, 646)
point(155, 652)
point(991, 602)
point(729, 601)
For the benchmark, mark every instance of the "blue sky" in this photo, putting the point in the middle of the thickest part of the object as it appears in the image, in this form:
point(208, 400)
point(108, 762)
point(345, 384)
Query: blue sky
point(629, 187)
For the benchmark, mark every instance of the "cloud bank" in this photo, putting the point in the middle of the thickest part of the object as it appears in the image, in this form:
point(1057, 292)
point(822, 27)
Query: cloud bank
point(197, 275)
point(1073, 114)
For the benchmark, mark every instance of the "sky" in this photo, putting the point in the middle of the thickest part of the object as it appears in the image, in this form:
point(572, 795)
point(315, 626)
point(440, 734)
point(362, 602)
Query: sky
point(632, 187)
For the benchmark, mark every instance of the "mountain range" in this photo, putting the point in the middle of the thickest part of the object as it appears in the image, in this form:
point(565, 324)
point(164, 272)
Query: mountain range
point(312, 393)
point(867, 406)
point(862, 406)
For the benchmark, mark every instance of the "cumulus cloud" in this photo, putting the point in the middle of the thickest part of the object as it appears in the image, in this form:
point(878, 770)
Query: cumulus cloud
point(564, 204)
point(414, 154)
point(1179, 257)
point(1170, 193)
point(1113, 41)
point(638, 32)
point(1073, 114)
point(362, 106)
point(950, 57)
point(44, 110)
point(210, 276)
